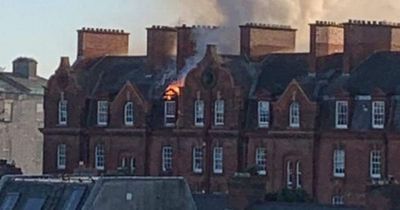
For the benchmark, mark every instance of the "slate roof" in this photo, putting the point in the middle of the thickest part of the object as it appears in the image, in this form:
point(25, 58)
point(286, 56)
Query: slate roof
point(13, 83)
point(211, 201)
point(297, 206)
point(45, 192)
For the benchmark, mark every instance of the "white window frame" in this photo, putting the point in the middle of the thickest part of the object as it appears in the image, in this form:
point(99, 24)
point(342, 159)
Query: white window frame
point(294, 115)
point(169, 113)
point(198, 159)
point(61, 156)
point(342, 114)
point(199, 113)
point(289, 174)
point(167, 154)
point(102, 113)
point(338, 200)
point(339, 163)
point(218, 160)
point(263, 114)
point(219, 111)
point(375, 164)
point(298, 175)
point(99, 156)
point(378, 114)
point(62, 112)
point(8, 110)
point(261, 161)
point(128, 113)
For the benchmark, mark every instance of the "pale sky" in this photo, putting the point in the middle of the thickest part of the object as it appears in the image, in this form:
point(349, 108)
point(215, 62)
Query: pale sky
point(46, 29)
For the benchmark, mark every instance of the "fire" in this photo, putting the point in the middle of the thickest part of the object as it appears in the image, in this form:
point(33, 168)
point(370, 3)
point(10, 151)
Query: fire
point(173, 90)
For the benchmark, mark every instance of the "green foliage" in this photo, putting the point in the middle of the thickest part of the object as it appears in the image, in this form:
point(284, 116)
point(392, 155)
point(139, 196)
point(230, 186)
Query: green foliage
point(293, 196)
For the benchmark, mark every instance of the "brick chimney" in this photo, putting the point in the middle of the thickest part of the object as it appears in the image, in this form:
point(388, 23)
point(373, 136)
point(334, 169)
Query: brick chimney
point(260, 39)
point(25, 67)
point(161, 46)
point(326, 38)
point(98, 42)
point(363, 38)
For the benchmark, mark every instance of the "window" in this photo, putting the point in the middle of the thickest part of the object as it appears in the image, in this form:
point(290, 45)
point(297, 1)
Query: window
point(170, 113)
point(339, 163)
point(166, 158)
point(263, 114)
point(197, 160)
point(298, 175)
point(218, 160)
point(289, 174)
point(199, 113)
point(61, 156)
point(294, 115)
point(7, 112)
point(219, 112)
point(375, 164)
point(378, 114)
point(99, 157)
point(341, 114)
point(128, 113)
point(261, 161)
point(102, 113)
point(62, 112)
point(337, 200)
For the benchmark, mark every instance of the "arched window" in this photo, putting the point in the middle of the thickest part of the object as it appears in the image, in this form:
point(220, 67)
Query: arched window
point(294, 115)
point(219, 111)
point(289, 174)
point(128, 113)
point(298, 175)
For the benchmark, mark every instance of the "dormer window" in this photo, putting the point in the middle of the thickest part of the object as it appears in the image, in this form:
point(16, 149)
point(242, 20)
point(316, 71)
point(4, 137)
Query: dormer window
point(378, 114)
point(294, 115)
point(219, 112)
point(341, 117)
point(263, 114)
point(169, 113)
point(199, 113)
point(102, 113)
point(128, 114)
point(62, 112)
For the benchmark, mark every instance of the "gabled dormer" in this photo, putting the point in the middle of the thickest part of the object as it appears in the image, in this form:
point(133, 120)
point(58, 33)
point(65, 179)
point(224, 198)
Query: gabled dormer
point(129, 108)
point(294, 110)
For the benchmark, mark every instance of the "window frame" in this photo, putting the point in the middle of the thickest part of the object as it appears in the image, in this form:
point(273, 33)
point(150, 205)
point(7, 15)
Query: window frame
point(342, 117)
point(261, 161)
point(62, 112)
point(375, 164)
point(99, 157)
point(339, 163)
point(299, 180)
point(199, 113)
point(289, 174)
point(219, 112)
point(218, 160)
point(197, 163)
point(294, 115)
point(338, 200)
point(166, 158)
point(169, 116)
point(378, 114)
point(61, 156)
point(263, 115)
point(128, 114)
point(102, 113)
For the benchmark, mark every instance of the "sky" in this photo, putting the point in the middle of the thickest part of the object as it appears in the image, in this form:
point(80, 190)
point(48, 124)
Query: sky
point(46, 29)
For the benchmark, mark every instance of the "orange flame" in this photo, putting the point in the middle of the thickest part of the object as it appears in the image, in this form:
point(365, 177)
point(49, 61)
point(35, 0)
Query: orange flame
point(173, 90)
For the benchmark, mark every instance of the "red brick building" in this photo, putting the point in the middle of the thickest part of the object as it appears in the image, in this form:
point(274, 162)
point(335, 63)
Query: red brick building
point(326, 121)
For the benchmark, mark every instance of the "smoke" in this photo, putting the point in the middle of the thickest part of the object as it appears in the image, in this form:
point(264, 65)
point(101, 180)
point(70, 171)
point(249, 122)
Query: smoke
point(297, 13)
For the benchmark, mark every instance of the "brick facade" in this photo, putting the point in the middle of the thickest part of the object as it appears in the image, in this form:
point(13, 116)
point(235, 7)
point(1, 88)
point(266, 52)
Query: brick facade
point(299, 141)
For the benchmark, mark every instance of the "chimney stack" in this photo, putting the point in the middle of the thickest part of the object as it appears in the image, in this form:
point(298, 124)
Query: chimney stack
point(99, 42)
point(25, 67)
point(262, 39)
point(326, 38)
point(161, 46)
point(363, 38)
